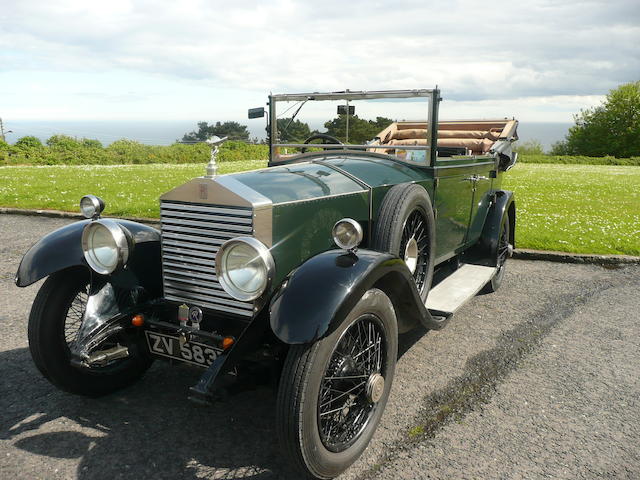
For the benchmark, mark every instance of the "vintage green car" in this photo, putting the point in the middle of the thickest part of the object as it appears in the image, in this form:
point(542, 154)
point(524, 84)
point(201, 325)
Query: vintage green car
point(312, 266)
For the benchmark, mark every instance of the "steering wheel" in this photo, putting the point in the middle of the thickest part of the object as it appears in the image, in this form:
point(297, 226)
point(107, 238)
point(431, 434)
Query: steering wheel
point(327, 139)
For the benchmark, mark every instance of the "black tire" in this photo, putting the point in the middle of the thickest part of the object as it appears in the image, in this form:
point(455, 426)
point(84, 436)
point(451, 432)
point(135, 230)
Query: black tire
point(400, 203)
point(50, 349)
point(309, 372)
point(503, 254)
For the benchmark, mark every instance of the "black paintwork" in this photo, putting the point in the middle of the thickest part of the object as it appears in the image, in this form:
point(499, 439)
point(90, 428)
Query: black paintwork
point(485, 252)
point(62, 249)
point(316, 297)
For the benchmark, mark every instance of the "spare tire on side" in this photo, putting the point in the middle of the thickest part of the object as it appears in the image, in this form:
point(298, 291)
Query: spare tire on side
point(406, 227)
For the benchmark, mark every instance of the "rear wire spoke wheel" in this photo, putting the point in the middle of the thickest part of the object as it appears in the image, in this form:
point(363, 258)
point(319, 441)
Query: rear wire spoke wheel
point(502, 257)
point(54, 322)
point(333, 392)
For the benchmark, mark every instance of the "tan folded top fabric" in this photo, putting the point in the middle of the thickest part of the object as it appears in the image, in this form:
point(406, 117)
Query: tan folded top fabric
point(477, 145)
point(418, 133)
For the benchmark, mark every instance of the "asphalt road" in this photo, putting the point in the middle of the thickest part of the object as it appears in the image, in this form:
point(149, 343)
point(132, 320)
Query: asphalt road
point(540, 380)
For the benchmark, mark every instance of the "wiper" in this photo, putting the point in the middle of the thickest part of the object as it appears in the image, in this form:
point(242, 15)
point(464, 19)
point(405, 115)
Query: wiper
point(294, 116)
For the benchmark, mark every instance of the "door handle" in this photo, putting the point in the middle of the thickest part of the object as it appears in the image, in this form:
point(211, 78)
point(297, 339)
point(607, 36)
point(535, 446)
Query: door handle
point(482, 177)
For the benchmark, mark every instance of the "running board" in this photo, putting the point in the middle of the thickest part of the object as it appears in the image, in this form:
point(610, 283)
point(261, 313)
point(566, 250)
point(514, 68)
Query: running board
point(458, 288)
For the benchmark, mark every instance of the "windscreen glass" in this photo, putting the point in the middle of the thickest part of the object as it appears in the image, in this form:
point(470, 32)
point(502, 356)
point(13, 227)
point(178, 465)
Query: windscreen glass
point(389, 126)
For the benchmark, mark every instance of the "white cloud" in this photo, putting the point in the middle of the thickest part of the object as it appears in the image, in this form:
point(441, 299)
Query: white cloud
point(142, 57)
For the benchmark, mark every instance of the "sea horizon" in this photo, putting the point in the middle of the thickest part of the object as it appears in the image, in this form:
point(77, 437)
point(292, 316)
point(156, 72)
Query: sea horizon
point(170, 131)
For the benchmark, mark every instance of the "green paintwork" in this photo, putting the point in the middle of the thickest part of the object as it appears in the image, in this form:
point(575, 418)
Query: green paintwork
point(302, 229)
point(299, 181)
point(377, 171)
point(309, 197)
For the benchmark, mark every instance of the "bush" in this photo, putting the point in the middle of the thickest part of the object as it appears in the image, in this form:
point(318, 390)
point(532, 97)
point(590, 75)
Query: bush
point(65, 150)
point(579, 160)
point(28, 142)
point(91, 143)
point(530, 147)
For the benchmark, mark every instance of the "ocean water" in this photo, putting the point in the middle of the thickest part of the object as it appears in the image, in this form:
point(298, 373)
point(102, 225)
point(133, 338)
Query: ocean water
point(167, 132)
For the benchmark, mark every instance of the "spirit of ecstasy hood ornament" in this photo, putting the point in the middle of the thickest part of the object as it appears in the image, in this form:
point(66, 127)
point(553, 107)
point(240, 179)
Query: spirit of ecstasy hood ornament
point(212, 166)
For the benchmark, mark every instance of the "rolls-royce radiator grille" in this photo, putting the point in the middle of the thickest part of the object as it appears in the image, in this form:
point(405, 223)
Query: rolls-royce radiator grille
point(191, 236)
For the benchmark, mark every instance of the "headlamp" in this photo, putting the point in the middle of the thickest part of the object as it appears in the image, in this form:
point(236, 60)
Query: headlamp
point(244, 267)
point(347, 233)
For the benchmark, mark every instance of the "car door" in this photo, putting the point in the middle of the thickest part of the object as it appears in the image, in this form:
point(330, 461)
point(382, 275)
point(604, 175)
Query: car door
point(463, 186)
point(453, 199)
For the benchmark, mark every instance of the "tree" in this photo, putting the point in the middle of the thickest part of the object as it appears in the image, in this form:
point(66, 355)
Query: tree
point(63, 142)
point(233, 130)
point(612, 128)
point(360, 130)
point(296, 132)
point(28, 142)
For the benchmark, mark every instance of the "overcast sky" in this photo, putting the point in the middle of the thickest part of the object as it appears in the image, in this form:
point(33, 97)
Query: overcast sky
point(536, 60)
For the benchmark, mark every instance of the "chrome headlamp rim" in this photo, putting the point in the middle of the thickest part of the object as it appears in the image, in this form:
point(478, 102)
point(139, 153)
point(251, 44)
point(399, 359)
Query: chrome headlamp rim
point(96, 202)
point(120, 238)
point(359, 234)
point(267, 259)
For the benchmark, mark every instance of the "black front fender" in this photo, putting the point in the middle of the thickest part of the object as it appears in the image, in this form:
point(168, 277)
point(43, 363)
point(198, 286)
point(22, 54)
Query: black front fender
point(317, 296)
point(62, 249)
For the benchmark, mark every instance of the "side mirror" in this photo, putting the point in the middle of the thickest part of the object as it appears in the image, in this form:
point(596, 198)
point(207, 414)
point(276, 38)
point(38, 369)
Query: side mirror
point(256, 112)
point(342, 109)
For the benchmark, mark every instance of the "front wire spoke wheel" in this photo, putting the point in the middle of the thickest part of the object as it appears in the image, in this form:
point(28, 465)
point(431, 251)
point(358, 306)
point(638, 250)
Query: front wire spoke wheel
point(414, 247)
point(75, 314)
point(346, 402)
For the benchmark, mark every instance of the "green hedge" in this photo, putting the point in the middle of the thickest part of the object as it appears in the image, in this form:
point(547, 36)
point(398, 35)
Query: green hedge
point(64, 150)
point(61, 150)
point(579, 160)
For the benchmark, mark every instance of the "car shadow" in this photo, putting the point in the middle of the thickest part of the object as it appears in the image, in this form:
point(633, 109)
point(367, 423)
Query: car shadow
point(149, 429)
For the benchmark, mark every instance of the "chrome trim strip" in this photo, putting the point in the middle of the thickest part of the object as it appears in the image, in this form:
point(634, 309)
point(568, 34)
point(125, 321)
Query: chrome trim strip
point(249, 194)
point(463, 165)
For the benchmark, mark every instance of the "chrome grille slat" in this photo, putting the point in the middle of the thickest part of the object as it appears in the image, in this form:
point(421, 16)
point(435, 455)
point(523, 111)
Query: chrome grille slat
point(174, 215)
point(168, 242)
point(193, 207)
point(171, 271)
point(200, 231)
point(190, 260)
point(191, 236)
point(170, 280)
point(223, 228)
point(208, 297)
point(206, 225)
point(191, 252)
point(213, 306)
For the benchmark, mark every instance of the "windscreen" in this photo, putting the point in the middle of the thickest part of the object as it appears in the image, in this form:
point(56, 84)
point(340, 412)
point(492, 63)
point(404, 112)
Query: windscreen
point(390, 126)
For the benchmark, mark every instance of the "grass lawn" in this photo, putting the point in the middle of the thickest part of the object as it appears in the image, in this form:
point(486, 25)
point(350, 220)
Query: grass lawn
point(571, 208)
point(577, 208)
point(128, 190)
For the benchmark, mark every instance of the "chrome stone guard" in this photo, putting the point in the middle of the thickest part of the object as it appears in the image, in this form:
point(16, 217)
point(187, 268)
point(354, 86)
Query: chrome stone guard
point(102, 318)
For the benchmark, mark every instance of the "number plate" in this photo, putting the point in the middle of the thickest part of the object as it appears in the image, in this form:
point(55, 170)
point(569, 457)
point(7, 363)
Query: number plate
point(191, 352)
